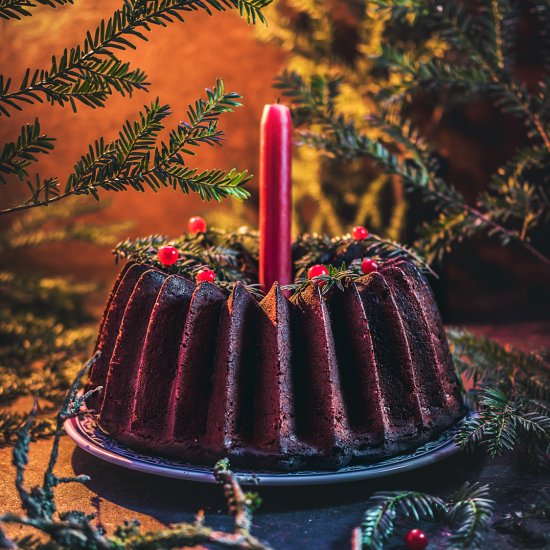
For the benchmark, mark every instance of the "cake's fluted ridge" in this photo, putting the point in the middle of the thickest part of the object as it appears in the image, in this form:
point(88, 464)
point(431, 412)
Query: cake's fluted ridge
point(322, 380)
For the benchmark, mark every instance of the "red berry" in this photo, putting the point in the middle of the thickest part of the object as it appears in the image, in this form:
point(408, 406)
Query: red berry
point(197, 225)
point(315, 271)
point(416, 539)
point(359, 233)
point(168, 255)
point(206, 275)
point(368, 265)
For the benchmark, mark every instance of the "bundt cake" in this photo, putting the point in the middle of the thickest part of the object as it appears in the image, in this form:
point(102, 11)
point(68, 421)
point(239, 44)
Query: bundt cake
point(321, 380)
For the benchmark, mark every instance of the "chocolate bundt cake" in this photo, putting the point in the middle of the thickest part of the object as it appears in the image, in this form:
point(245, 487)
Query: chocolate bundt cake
point(317, 381)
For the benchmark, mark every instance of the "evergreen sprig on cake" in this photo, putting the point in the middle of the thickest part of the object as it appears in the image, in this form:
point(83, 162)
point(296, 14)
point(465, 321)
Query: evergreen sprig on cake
point(234, 255)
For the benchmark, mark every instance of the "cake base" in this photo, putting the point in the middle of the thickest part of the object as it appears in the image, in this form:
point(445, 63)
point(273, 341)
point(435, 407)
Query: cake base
point(85, 432)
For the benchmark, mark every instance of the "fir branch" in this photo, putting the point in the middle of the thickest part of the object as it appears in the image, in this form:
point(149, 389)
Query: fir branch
point(17, 155)
point(337, 277)
point(487, 363)
point(231, 255)
point(510, 389)
point(468, 512)
point(495, 426)
point(321, 249)
point(480, 40)
point(16, 9)
point(341, 138)
point(132, 161)
point(379, 520)
point(90, 73)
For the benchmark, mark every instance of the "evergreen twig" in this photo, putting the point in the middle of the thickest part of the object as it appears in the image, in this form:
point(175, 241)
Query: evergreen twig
point(17, 155)
point(468, 511)
point(132, 161)
point(477, 49)
point(233, 256)
point(510, 390)
point(16, 9)
point(90, 73)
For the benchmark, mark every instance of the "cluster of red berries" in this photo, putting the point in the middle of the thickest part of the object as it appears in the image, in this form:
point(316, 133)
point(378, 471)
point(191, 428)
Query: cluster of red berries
point(169, 255)
point(368, 265)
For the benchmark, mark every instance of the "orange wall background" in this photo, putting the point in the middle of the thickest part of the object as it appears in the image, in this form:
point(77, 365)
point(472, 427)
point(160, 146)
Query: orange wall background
point(180, 60)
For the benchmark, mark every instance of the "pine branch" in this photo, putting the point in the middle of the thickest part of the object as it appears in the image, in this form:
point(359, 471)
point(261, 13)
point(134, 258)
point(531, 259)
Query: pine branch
point(16, 9)
point(337, 277)
point(468, 512)
point(488, 363)
point(16, 156)
point(495, 427)
point(231, 255)
point(321, 249)
point(90, 73)
point(340, 138)
point(510, 389)
point(379, 520)
point(480, 41)
point(132, 161)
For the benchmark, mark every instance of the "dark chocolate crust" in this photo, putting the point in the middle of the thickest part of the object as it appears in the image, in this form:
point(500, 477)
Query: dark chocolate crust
point(323, 381)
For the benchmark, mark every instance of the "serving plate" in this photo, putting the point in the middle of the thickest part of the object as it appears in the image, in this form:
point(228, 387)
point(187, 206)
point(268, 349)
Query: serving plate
point(88, 436)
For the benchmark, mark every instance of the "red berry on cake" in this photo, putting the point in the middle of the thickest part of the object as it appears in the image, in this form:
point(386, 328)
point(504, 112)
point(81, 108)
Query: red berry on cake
point(368, 265)
point(168, 255)
point(416, 539)
point(206, 275)
point(359, 233)
point(197, 225)
point(317, 270)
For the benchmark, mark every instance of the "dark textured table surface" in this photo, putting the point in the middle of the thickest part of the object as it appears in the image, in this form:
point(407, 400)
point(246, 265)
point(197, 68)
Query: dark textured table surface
point(290, 518)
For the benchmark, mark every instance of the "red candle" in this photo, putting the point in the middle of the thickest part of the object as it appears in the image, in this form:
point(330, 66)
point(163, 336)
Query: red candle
point(275, 196)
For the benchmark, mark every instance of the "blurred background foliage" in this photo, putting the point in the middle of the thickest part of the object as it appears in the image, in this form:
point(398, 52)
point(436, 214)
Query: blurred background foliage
point(46, 327)
point(363, 60)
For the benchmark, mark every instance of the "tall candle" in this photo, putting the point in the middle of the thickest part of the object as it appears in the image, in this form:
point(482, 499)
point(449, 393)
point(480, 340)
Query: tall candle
point(275, 197)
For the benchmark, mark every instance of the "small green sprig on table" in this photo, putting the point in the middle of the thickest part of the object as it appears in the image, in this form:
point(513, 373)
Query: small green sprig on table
point(468, 512)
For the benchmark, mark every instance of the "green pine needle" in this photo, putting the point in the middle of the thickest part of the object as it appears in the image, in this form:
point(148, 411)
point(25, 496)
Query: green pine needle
point(16, 156)
point(133, 161)
point(16, 9)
